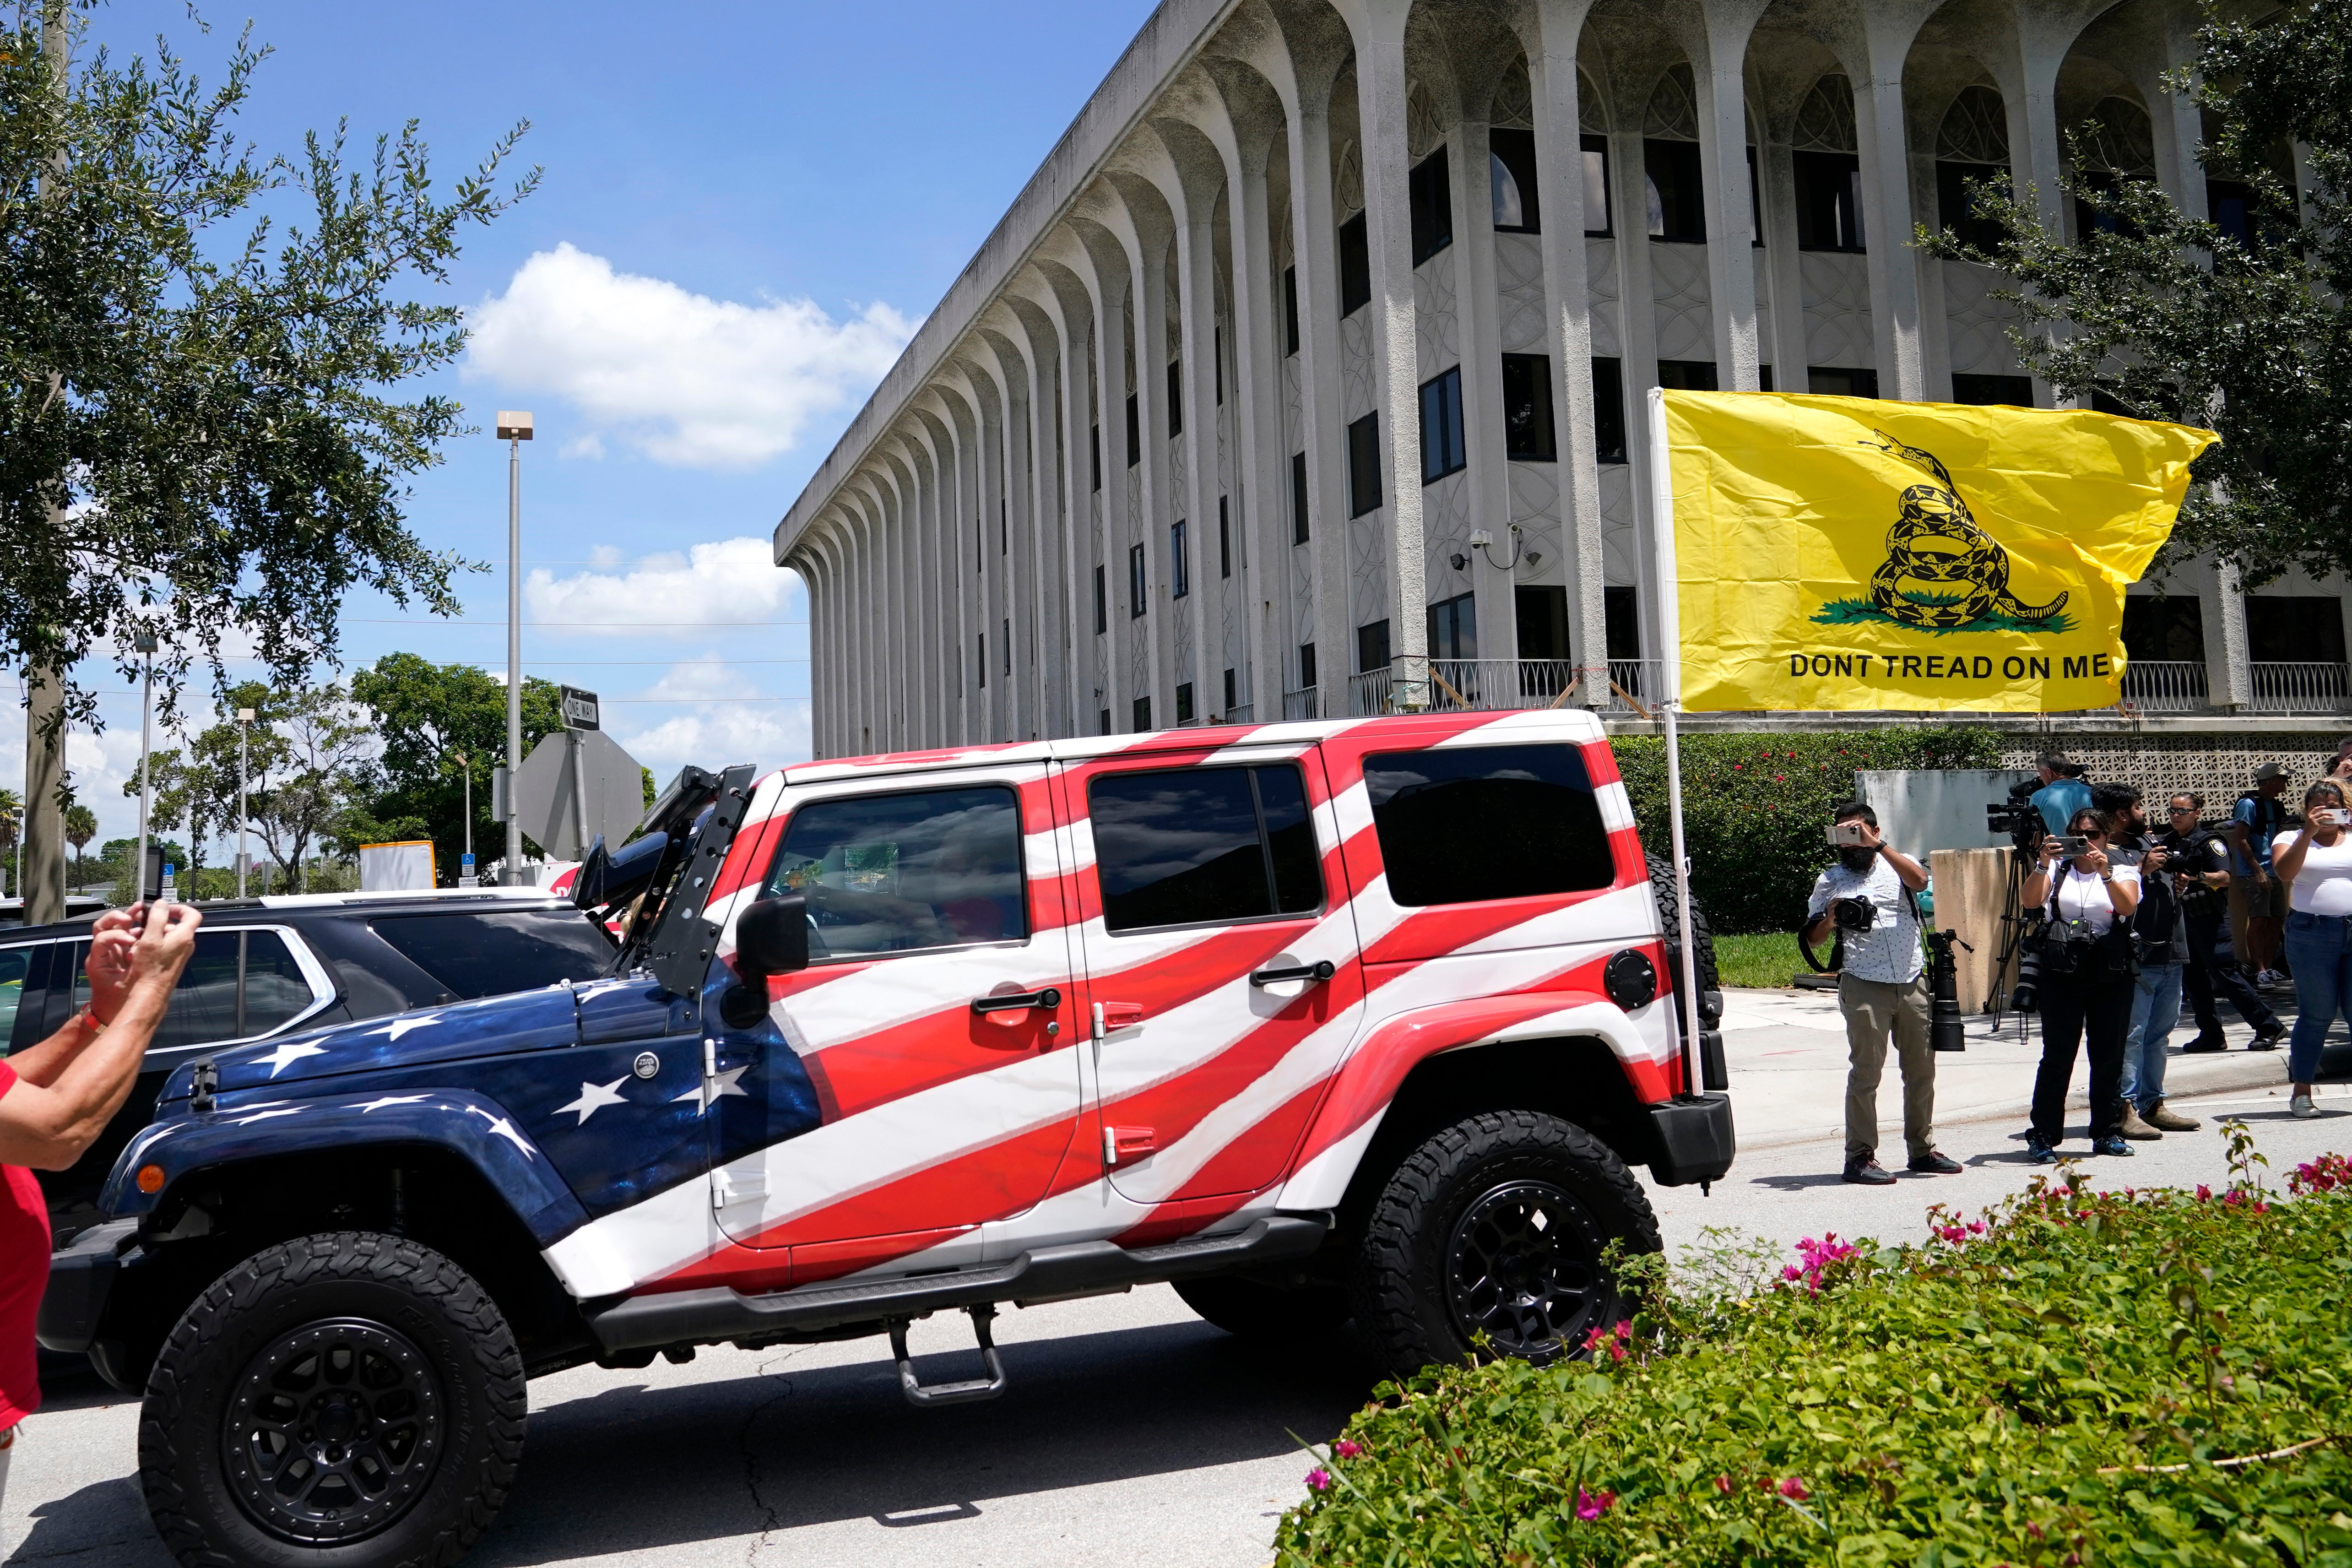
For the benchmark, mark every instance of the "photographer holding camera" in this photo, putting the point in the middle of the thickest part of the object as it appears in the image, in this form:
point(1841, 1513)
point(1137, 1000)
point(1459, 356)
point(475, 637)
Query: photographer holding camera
point(2087, 981)
point(2315, 863)
point(1865, 902)
point(2201, 865)
point(2161, 943)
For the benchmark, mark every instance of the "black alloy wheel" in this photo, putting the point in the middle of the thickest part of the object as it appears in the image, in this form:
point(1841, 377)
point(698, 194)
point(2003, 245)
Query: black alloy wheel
point(333, 1432)
point(1520, 1269)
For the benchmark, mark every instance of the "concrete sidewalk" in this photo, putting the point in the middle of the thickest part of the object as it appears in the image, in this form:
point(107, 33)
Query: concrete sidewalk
point(1787, 1053)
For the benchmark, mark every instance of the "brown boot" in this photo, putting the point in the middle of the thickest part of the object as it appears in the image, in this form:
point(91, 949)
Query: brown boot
point(2168, 1121)
point(2133, 1127)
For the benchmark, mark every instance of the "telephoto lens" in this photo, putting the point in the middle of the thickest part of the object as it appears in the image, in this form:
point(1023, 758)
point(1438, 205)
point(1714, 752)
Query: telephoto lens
point(1946, 1031)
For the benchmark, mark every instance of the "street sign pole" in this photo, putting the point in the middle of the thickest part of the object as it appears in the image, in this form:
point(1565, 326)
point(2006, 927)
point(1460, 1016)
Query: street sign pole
point(514, 429)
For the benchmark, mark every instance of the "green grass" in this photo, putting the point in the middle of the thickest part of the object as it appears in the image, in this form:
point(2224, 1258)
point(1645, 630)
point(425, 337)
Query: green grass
point(1767, 958)
point(1860, 612)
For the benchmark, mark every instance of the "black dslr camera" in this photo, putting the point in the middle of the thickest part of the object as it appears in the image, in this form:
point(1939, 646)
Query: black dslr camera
point(1853, 914)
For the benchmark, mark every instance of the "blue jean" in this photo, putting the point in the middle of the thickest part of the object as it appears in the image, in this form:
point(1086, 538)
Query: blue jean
point(2156, 1008)
point(2320, 949)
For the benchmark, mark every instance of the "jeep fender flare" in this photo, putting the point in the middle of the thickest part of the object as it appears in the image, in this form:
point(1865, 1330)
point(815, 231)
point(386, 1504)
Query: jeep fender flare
point(1365, 1086)
point(477, 1130)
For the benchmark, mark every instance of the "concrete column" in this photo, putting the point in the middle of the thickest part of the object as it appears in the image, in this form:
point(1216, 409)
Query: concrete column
point(1108, 289)
point(1718, 71)
point(1315, 244)
point(2036, 153)
point(1478, 329)
point(1072, 648)
point(2229, 671)
point(1381, 88)
point(1196, 300)
point(1893, 264)
point(1261, 515)
point(1639, 327)
point(1551, 33)
point(1158, 506)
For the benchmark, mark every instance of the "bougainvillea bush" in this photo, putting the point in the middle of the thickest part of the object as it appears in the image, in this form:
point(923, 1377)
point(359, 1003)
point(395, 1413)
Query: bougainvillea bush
point(2073, 1378)
point(1755, 805)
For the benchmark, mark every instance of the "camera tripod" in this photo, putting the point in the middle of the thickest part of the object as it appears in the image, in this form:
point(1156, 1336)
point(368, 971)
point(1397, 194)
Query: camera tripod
point(2012, 937)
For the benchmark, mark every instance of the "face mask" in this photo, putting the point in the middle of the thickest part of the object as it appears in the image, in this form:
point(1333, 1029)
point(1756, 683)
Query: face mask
point(1857, 859)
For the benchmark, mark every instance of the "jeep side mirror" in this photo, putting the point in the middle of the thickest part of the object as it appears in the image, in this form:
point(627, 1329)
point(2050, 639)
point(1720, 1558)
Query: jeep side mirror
point(770, 938)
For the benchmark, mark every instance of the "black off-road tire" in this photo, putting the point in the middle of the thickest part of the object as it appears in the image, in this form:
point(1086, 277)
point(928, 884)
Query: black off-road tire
point(1498, 1186)
point(1710, 981)
point(406, 1350)
point(1266, 1314)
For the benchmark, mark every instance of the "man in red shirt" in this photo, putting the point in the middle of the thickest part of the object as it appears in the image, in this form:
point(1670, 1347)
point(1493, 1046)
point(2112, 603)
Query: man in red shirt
point(56, 1098)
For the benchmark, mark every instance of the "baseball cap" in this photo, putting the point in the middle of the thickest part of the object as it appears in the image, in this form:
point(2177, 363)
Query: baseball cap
point(2269, 771)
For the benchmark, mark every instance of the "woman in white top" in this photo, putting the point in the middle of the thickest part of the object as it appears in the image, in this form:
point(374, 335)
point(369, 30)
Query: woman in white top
point(2315, 863)
point(2085, 995)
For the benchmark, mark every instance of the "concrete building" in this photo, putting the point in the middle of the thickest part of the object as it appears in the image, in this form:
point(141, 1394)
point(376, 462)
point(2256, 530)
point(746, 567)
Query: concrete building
point(1304, 377)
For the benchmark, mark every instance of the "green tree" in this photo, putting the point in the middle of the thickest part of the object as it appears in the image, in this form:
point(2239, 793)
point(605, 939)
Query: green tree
point(12, 821)
point(81, 826)
point(296, 802)
point(199, 430)
point(429, 716)
point(2174, 318)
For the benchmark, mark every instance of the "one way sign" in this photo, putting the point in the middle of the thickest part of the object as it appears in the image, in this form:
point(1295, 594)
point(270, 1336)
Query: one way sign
point(578, 708)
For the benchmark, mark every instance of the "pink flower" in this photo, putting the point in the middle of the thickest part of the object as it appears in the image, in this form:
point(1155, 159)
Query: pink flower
point(1976, 1227)
point(1723, 1485)
point(1347, 1449)
point(1794, 1489)
point(1318, 1479)
point(1590, 1505)
point(2204, 1194)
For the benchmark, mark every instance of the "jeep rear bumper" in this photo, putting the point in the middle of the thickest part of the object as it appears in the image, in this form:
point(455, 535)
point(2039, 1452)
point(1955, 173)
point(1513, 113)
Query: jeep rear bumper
point(81, 1277)
point(1695, 1142)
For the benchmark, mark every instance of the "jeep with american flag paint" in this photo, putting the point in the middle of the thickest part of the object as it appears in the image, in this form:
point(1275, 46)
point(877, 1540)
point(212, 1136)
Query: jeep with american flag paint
point(1357, 1019)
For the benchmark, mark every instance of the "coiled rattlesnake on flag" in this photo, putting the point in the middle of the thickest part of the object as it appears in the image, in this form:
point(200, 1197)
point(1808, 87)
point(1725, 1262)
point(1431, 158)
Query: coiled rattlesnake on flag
point(1963, 555)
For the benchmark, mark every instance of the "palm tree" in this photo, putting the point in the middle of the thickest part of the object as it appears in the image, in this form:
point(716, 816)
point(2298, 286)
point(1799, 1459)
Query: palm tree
point(12, 816)
point(81, 826)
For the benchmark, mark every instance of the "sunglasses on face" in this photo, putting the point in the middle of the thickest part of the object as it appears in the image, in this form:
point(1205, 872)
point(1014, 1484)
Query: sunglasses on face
point(2092, 833)
point(2184, 811)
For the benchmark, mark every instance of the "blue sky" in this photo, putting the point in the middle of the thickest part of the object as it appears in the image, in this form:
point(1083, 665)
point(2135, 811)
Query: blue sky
point(744, 210)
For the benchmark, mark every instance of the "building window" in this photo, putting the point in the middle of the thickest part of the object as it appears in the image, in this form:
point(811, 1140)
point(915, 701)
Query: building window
point(1298, 529)
point(1363, 465)
point(1102, 607)
point(1094, 453)
point(1687, 375)
point(1985, 390)
point(1373, 647)
point(1289, 311)
point(1003, 538)
point(1142, 712)
point(2287, 628)
point(2169, 627)
point(1596, 187)
point(1543, 621)
point(1306, 664)
point(1957, 212)
point(1453, 627)
point(1972, 144)
point(1136, 584)
point(1007, 628)
point(1608, 412)
point(1621, 619)
point(1828, 201)
point(1832, 381)
point(984, 661)
point(1511, 172)
point(1134, 431)
point(1179, 572)
point(1354, 266)
point(1527, 432)
point(1677, 202)
point(1442, 444)
point(1232, 702)
point(1217, 360)
point(1106, 722)
point(1225, 540)
point(1184, 702)
point(1429, 191)
point(1175, 398)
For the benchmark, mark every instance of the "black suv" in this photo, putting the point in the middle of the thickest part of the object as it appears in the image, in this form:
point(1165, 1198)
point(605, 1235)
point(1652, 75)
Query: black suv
point(272, 966)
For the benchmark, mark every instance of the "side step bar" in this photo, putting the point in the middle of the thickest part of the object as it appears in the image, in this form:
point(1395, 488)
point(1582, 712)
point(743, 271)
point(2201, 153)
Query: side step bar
point(1078, 1269)
point(968, 1392)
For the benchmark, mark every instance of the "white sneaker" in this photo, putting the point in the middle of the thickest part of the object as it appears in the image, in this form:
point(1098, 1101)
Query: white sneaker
point(2301, 1108)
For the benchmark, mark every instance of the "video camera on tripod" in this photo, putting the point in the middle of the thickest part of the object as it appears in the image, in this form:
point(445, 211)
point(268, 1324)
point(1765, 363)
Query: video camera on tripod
point(2018, 817)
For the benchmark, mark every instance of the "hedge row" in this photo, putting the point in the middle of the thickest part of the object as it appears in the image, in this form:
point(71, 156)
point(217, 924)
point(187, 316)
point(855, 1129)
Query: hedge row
point(1753, 805)
point(2074, 1379)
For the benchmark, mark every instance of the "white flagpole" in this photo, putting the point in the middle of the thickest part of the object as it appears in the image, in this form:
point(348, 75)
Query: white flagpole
point(1670, 636)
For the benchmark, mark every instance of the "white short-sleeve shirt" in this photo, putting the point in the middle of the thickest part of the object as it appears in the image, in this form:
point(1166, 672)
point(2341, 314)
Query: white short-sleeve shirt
point(2080, 895)
point(2324, 884)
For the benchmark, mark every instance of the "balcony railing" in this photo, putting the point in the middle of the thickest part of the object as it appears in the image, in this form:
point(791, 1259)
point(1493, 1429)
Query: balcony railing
point(1239, 713)
point(2300, 687)
point(1305, 704)
point(2164, 686)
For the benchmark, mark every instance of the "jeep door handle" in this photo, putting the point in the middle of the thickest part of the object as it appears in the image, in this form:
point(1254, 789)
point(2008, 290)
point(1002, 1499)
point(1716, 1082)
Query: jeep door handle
point(1017, 1002)
point(1322, 969)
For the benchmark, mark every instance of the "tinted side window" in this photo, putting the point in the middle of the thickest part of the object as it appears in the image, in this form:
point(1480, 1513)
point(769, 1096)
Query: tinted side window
point(23, 973)
point(491, 953)
point(275, 991)
point(203, 1007)
point(895, 873)
point(1460, 826)
point(1201, 846)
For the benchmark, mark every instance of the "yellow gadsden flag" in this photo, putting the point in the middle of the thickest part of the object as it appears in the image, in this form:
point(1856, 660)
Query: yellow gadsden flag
point(1843, 553)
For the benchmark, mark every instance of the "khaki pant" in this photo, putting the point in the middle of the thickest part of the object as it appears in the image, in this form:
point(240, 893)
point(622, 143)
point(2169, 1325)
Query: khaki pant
point(1874, 1009)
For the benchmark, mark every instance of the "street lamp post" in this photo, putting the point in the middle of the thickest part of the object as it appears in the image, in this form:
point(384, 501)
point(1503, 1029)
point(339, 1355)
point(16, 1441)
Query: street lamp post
point(243, 717)
point(145, 645)
point(466, 877)
point(514, 429)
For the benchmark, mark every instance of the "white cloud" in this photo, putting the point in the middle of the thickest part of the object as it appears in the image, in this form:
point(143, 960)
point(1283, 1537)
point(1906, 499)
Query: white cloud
point(687, 380)
point(711, 733)
point(722, 584)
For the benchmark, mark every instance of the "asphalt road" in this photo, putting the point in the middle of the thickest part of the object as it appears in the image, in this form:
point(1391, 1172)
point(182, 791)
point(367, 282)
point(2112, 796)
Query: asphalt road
point(1132, 1432)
